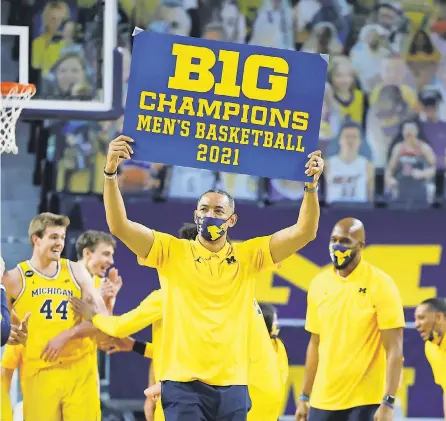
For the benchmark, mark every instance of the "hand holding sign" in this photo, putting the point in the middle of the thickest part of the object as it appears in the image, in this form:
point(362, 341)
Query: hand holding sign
point(314, 167)
point(118, 150)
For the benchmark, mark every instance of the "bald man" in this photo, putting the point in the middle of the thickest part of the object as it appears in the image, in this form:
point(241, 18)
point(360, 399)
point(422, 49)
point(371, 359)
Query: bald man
point(356, 320)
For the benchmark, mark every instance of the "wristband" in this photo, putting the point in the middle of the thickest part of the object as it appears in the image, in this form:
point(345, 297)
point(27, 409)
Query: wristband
point(312, 189)
point(110, 176)
point(304, 398)
point(139, 348)
point(388, 404)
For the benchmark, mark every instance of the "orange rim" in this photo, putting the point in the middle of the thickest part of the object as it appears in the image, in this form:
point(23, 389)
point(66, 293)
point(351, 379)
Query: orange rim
point(6, 87)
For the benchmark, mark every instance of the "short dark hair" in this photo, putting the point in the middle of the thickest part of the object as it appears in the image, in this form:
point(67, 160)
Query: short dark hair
point(437, 305)
point(350, 124)
point(268, 311)
point(224, 193)
point(188, 231)
point(91, 239)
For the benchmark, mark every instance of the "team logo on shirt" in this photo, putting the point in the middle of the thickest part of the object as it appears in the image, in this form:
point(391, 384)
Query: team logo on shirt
point(362, 290)
point(231, 260)
point(29, 273)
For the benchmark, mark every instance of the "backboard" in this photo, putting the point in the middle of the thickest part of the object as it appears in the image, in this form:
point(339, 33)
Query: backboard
point(68, 49)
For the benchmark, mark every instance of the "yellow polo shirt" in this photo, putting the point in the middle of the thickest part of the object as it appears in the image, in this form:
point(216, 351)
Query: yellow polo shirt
point(348, 314)
point(436, 355)
point(265, 375)
point(207, 307)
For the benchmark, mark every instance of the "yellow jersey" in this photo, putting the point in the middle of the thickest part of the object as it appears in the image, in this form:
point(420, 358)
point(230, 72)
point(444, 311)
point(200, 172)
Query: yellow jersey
point(12, 359)
point(45, 53)
point(205, 295)
point(348, 315)
point(354, 109)
point(47, 300)
point(436, 355)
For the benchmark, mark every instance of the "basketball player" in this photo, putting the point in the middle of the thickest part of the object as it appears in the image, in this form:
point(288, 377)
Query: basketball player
point(95, 250)
point(355, 355)
point(65, 388)
point(209, 287)
point(430, 321)
point(265, 376)
point(350, 177)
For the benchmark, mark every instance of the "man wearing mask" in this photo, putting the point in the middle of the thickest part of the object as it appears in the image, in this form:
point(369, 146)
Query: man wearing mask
point(430, 321)
point(355, 354)
point(208, 288)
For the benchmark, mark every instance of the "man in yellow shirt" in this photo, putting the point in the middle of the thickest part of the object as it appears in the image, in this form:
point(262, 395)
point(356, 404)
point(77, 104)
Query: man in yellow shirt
point(208, 289)
point(265, 378)
point(430, 321)
point(95, 250)
point(272, 324)
point(42, 286)
point(355, 355)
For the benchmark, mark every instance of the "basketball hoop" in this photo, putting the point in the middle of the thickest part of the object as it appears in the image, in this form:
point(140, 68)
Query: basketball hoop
point(15, 96)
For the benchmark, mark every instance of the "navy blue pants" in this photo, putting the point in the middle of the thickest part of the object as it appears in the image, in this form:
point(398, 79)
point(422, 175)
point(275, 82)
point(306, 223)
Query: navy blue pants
point(197, 401)
point(360, 413)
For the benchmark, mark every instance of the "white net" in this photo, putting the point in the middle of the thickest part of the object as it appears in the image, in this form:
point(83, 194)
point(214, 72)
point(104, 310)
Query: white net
point(14, 98)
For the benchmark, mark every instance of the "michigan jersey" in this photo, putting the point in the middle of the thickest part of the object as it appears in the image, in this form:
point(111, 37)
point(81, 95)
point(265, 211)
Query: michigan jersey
point(46, 298)
point(354, 108)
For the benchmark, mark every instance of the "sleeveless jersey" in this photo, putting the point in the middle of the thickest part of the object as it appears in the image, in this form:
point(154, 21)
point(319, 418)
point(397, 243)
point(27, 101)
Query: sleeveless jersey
point(354, 108)
point(47, 300)
point(347, 182)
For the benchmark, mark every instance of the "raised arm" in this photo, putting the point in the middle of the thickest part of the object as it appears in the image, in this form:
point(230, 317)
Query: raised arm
point(286, 242)
point(138, 238)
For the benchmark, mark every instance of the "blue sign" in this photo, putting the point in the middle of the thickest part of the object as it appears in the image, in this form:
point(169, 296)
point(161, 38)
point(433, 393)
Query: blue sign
point(224, 107)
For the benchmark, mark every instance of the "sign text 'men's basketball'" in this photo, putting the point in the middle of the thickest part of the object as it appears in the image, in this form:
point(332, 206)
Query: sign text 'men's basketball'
point(223, 106)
